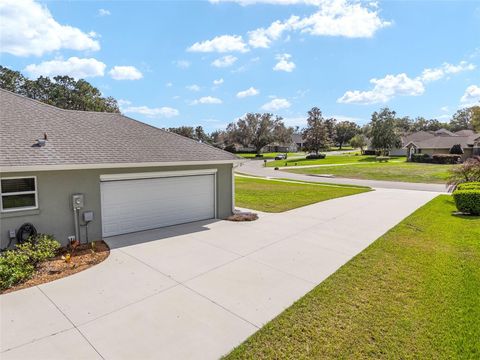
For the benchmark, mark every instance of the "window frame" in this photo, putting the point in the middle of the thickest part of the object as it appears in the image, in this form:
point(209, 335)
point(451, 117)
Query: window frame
point(23, 208)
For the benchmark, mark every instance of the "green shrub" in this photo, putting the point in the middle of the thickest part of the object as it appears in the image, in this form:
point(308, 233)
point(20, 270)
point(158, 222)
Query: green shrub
point(474, 185)
point(467, 201)
point(41, 248)
point(446, 159)
point(19, 264)
point(315, 156)
point(421, 158)
point(15, 267)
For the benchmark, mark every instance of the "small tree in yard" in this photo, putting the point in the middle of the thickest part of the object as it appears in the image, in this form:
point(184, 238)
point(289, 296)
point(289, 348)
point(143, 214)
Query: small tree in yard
point(359, 141)
point(259, 130)
point(316, 134)
point(469, 171)
point(384, 136)
point(344, 131)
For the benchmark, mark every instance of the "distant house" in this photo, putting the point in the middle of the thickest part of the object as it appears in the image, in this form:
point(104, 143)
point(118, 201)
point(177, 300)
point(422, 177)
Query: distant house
point(405, 139)
point(299, 141)
point(441, 141)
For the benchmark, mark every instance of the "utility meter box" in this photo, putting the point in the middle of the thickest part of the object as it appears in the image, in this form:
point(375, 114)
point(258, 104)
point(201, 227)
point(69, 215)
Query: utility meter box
point(78, 201)
point(88, 216)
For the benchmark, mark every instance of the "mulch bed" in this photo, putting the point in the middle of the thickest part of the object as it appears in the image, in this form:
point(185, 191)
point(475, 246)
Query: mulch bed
point(57, 268)
point(243, 216)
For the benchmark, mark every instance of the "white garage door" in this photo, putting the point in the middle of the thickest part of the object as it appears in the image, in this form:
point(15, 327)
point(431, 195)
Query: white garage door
point(130, 205)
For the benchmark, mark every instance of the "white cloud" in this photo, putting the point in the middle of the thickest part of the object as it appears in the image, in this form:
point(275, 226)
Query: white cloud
point(169, 84)
point(401, 85)
point(438, 73)
point(352, 19)
point(28, 28)
point(444, 108)
point(74, 67)
point(271, 2)
point(182, 64)
point(103, 12)
point(471, 96)
point(300, 121)
point(262, 38)
point(218, 81)
point(432, 74)
point(251, 91)
point(224, 61)
point(221, 44)
point(384, 90)
point(341, 18)
point(207, 100)
point(283, 63)
point(462, 66)
point(124, 102)
point(160, 112)
point(276, 104)
point(193, 87)
point(125, 73)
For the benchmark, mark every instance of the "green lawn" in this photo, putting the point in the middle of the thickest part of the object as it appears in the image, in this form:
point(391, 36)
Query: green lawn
point(330, 159)
point(391, 171)
point(412, 294)
point(268, 155)
point(277, 196)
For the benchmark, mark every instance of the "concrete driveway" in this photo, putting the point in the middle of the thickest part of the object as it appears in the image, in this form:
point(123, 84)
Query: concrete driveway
point(195, 290)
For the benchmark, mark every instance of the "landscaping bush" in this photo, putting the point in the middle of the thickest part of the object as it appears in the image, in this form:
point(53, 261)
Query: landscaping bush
point(40, 248)
point(446, 159)
point(315, 156)
point(469, 186)
point(468, 201)
point(421, 158)
point(15, 267)
point(371, 152)
point(19, 264)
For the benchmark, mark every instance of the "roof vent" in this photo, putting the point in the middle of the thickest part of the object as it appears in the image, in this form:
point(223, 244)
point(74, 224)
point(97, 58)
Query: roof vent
point(41, 142)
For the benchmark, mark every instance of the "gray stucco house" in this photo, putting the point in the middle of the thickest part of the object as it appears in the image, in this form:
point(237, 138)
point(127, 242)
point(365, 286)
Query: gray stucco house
point(120, 175)
point(441, 141)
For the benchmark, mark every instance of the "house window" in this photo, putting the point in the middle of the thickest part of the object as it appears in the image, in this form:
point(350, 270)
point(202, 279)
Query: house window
point(19, 193)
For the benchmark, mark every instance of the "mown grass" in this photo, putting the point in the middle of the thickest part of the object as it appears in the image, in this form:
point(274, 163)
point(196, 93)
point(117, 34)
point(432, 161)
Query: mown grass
point(413, 294)
point(391, 171)
point(330, 159)
point(276, 196)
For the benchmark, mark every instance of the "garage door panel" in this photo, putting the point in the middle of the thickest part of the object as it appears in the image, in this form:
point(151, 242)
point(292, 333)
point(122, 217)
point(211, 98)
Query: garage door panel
point(141, 204)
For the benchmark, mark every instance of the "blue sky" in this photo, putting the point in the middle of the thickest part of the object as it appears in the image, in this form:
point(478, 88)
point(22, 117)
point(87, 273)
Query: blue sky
point(208, 63)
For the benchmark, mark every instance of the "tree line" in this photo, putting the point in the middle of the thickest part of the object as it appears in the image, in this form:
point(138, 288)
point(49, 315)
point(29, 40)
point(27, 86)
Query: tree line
point(383, 132)
point(61, 91)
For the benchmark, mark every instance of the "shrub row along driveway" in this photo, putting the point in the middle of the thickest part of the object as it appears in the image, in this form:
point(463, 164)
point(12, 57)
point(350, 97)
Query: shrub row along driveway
point(195, 290)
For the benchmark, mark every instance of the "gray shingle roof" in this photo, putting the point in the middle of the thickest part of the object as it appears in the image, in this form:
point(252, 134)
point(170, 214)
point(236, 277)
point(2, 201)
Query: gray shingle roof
point(85, 137)
point(446, 142)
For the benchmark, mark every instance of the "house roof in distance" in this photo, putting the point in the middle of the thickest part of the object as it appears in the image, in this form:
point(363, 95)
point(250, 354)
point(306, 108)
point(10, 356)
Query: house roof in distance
point(445, 142)
point(86, 137)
